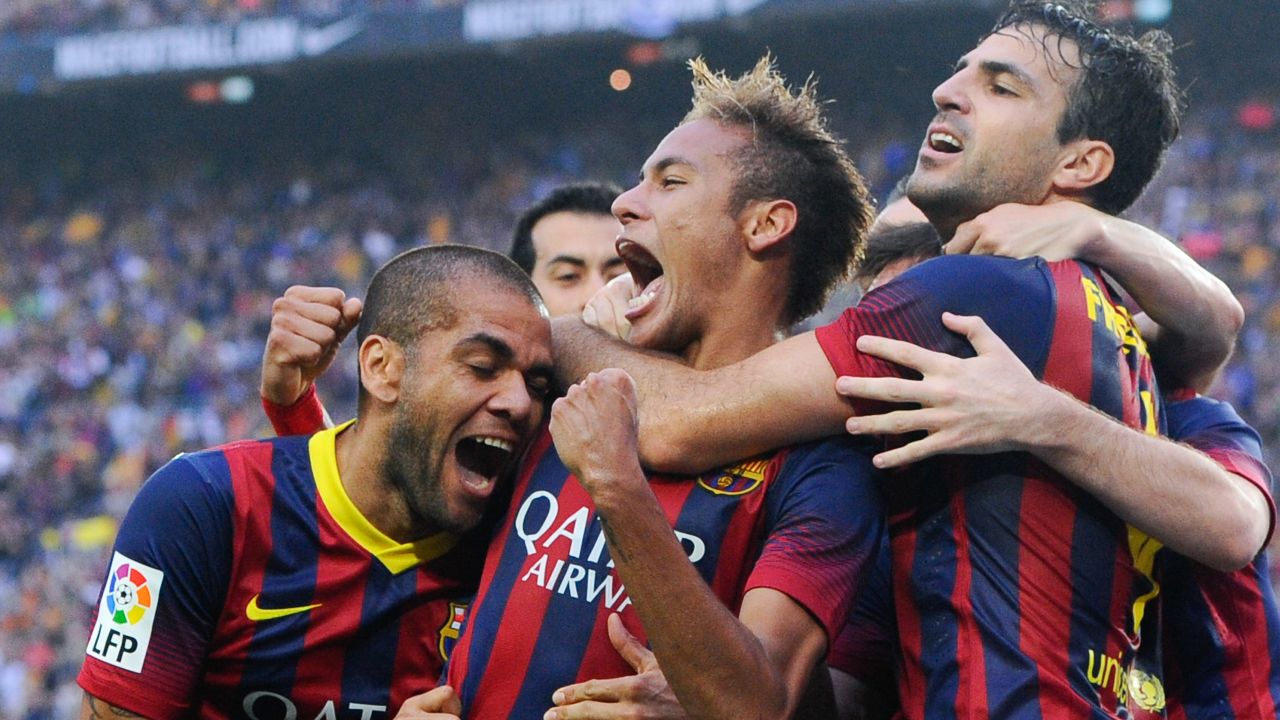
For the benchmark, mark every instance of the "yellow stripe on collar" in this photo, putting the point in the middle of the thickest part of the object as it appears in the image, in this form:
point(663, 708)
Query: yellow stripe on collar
point(396, 556)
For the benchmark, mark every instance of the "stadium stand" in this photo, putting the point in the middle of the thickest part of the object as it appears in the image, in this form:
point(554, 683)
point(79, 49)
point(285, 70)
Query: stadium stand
point(135, 295)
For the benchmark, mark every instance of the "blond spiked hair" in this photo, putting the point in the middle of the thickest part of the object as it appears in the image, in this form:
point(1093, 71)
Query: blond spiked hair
point(792, 155)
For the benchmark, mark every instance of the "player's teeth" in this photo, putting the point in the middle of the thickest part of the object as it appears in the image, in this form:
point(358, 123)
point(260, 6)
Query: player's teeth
point(640, 300)
point(942, 138)
point(496, 442)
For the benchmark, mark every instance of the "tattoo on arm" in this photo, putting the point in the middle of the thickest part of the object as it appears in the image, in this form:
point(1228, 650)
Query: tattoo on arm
point(614, 546)
point(102, 710)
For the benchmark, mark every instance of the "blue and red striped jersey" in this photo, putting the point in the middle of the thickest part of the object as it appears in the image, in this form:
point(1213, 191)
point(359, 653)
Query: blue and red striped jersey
point(867, 646)
point(1017, 594)
point(804, 522)
point(245, 583)
point(1221, 643)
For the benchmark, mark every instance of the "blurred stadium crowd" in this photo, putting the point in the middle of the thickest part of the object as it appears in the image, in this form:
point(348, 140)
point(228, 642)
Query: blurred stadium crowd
point(26, 16)
point(134, 304)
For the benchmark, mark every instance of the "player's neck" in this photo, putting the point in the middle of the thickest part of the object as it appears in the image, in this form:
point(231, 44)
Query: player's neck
point(360, 463)
point(725, 343)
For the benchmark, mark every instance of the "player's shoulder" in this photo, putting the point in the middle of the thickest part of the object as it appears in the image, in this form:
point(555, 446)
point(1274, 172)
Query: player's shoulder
point(975, 273)
point(209, 472)
point(1189, 415)
point(838, 458)
point(983, 285)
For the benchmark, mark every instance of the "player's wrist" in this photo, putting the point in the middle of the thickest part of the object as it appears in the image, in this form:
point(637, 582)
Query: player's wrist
point(615, 485)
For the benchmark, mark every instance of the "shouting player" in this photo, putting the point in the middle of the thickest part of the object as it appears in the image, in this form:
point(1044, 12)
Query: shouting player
point(755, 211)
point(1007, 578)
point(317, 576)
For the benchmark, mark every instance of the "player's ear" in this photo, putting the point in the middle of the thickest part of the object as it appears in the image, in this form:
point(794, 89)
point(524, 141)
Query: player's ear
point(382, 365)
point(1084, 164)
point(765, 223)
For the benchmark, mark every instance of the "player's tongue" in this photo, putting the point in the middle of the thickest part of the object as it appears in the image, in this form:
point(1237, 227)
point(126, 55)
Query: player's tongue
point(482, 459)
point(647, 273)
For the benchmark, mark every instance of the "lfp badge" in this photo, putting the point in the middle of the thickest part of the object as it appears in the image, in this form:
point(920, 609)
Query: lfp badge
point(126, 614)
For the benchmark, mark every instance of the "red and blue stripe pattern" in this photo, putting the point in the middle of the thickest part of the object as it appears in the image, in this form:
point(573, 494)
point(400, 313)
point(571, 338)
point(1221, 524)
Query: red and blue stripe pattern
point(1016, 593)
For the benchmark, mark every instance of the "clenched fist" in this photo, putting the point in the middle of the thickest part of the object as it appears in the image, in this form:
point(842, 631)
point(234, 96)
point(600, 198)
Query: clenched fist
point(594, 426)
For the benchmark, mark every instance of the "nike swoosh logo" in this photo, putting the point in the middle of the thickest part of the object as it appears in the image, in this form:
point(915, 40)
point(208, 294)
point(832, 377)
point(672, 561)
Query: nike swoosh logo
point(317, 41)
point(257, 614)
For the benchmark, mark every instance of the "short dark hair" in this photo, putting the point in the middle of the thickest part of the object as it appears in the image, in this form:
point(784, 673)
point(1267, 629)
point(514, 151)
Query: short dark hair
point(792, 155)
point(588, 198)
point(1126, 95)
point(415, 292)
point(887, 244)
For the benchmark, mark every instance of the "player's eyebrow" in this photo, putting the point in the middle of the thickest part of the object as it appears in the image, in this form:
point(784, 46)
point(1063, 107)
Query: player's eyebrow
point(665, 163)
point(568, 260)
point(996, 67)
point(492, 343)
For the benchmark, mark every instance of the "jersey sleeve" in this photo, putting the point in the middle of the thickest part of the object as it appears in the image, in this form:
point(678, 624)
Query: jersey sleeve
point(304, 417)
point(824, 522)
point(1215, 429)
point(867, 643)
point(910, 308)
point(164, 592)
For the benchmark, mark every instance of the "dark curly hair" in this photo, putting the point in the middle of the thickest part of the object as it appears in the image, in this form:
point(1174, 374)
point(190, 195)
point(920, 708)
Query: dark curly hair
point(1126, 95)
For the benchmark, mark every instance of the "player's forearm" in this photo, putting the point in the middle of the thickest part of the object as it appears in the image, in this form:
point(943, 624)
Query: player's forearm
point(1198, 316)
point(580, 350)
point(1169, 491)
point(715, 666)
point(693, 420)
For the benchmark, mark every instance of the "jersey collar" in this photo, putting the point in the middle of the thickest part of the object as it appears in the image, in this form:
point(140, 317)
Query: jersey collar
point(396, 556)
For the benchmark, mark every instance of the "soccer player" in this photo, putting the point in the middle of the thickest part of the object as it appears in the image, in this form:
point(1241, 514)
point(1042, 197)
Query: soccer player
point(318, 576)
point(565, 242)
point(995, 399)
point(1006, 576)
point(754, 210)
point(1220, 631)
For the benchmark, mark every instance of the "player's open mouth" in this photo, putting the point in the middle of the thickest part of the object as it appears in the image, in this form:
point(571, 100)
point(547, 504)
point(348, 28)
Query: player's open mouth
point(646, 272)
point(944, 142)
point(483, 458)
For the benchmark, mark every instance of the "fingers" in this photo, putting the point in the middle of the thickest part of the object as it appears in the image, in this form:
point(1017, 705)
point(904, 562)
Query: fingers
point(606, 310)
point(887, 389)
point(980, 335)
point(639, 657)
point(351, 310)
point(897, 422)
point(935, 444)
point(436, 704)
point(590, 710)
point(612, 690)
point(323, 323)
point(904, 353)
point(962, 242)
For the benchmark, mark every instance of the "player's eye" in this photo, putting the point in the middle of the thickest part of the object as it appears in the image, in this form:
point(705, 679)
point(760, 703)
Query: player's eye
point(539, 387)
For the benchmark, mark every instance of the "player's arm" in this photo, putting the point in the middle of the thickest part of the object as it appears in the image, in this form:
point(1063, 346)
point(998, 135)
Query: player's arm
point(755, 665)
point(992, 403)
point(692, 420)
point(173, 556)
point(308, 324)
point(1196, 312)
point(93, 708)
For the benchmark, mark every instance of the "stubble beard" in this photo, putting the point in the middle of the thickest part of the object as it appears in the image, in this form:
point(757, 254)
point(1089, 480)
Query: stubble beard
point(413, 469)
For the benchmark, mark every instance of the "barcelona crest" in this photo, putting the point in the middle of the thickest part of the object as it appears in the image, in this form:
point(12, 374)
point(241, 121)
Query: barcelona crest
point(737, 480)
point(451, 629)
